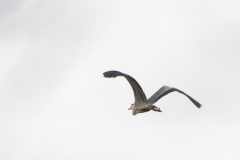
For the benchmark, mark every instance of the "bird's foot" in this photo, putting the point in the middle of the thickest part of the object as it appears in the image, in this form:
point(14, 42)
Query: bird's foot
point(157, 109)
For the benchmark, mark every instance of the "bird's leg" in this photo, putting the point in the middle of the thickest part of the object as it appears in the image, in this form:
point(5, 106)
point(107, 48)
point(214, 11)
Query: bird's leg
point(157, 109)
point(154, 108)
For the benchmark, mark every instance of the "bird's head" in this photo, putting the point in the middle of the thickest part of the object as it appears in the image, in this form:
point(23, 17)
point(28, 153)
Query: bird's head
point(132, 105)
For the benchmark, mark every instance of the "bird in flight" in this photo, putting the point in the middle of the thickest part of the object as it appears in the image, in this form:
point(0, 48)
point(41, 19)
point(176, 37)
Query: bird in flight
point(142, 104)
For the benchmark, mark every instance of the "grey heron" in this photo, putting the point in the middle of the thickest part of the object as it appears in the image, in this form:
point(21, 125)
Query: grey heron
point(142, 104)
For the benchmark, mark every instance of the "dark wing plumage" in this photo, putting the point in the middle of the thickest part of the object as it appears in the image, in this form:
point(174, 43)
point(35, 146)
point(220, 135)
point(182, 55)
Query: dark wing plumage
point(164, 91)
point(137, 90)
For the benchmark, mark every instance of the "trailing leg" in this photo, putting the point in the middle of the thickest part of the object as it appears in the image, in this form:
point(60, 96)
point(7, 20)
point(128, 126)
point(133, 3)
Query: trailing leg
point(154, 108)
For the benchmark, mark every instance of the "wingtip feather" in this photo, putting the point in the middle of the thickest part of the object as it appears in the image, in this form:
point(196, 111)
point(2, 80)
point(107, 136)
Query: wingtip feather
point(112, 74)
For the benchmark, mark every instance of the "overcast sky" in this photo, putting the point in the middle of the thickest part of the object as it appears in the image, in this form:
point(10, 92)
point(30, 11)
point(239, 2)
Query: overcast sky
point(56, 105)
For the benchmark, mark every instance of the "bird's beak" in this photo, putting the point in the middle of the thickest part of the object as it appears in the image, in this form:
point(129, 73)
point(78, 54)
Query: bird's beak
point(129, 108)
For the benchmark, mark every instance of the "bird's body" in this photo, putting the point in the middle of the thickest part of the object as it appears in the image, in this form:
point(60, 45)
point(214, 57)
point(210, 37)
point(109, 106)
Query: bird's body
point(142, 104)
point(141, 108)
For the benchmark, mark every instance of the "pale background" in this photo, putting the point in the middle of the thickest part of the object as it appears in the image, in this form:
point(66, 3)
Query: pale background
point(56, 105)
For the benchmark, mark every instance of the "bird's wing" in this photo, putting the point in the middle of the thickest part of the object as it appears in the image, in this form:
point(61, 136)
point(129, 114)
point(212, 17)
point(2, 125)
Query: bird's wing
point(137, 90)
point(164, 91)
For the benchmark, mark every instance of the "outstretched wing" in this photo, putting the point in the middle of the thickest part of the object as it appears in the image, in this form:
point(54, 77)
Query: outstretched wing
point(164, 91)
point(137, 90)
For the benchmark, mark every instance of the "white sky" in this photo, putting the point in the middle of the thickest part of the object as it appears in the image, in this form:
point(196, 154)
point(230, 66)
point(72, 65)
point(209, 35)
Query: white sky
point(55, 103)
